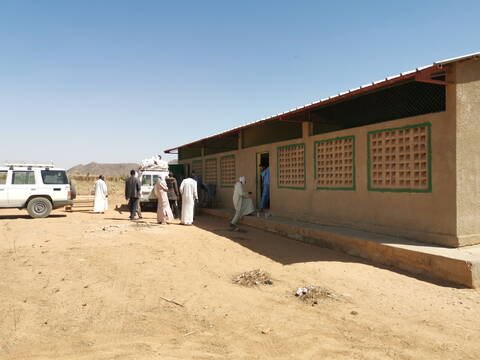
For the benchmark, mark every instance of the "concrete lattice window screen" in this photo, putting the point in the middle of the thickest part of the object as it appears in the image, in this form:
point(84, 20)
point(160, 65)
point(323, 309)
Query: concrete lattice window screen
point(335, 163)
point(227, 171)
point(399, 159)
point(210, 171)
point(197, 167)
point(291, 166)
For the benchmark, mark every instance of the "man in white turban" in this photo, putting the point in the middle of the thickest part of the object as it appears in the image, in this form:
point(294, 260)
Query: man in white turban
point(100, 203)
point(241, 201)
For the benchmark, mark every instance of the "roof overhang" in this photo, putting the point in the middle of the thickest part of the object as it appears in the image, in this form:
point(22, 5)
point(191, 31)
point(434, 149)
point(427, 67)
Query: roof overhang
point(425, 74)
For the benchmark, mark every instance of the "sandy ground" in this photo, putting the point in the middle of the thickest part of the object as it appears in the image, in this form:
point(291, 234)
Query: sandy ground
point(86, 286)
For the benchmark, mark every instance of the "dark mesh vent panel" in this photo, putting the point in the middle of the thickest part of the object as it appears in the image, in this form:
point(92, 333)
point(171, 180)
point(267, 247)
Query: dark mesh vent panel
point(405, 100)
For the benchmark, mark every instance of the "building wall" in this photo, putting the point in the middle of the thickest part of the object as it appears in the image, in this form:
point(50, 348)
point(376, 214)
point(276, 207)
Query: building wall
point(433, 216)
point(468, 151)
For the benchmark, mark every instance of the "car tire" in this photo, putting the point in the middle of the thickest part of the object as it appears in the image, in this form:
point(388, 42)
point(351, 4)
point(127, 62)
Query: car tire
point(39, 207)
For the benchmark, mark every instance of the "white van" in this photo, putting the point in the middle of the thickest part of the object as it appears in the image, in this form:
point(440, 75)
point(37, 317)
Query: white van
point(148, 179)
point(35, 187)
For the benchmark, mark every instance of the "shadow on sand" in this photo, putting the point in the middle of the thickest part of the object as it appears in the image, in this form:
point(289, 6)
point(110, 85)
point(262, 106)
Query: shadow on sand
point(14, 217)
point(288, 251)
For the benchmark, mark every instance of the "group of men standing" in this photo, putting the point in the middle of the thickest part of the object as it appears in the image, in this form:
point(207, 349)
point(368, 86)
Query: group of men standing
point(168, 193)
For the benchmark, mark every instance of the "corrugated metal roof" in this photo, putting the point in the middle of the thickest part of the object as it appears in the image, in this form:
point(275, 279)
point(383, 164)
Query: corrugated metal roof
point(364, 88)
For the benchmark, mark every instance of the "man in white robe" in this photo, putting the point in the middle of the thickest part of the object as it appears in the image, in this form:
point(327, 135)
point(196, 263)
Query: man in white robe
point(100, 203)
point(242, 203)
point(164, 212)
point(188, 189)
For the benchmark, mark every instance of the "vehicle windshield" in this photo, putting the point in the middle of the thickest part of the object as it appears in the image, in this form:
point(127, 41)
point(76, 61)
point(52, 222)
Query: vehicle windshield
point(146, 180)
point(54, 177)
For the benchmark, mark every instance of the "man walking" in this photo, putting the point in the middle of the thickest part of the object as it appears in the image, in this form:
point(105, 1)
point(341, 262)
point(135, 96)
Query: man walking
point(132, 193)
point(188, 189)
point(241, 202)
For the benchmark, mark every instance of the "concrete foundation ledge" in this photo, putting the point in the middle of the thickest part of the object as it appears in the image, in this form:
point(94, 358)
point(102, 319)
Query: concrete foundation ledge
point(456, 265)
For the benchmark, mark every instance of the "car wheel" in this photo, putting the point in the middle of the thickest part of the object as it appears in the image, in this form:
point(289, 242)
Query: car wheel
point(39, 207)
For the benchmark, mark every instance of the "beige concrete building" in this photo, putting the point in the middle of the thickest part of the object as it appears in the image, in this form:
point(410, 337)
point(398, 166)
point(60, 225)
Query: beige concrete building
point(398, 156)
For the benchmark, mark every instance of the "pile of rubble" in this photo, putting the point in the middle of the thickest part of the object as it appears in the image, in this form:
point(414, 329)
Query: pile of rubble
point(253, 278)
point(312, 295)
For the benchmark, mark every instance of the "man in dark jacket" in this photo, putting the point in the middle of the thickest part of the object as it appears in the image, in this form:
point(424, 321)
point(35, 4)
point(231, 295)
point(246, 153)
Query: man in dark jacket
point(132, 193)
point(173, 194)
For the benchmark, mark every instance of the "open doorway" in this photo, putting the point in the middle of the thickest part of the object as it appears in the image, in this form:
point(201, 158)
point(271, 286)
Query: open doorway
point(263, 180)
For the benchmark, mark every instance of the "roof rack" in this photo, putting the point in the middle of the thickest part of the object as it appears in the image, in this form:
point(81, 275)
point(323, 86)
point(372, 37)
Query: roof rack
point(29, 165)
point(154, 167)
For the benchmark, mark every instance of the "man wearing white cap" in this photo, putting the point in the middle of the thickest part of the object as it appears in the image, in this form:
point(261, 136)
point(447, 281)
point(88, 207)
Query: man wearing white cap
point(242, 202)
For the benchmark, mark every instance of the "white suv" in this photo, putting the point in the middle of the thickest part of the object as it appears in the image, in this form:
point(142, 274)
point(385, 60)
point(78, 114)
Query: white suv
point(36, 187)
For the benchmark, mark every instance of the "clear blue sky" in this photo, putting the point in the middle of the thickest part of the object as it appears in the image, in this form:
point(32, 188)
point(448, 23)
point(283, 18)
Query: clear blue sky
point(118, 81)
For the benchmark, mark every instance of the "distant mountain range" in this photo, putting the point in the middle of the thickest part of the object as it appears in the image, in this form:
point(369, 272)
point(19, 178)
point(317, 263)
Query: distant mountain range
point(94, 168)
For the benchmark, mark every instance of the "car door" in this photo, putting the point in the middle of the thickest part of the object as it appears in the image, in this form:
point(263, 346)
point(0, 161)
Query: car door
point(23, 185)
point(55, 184)
point(3, 188)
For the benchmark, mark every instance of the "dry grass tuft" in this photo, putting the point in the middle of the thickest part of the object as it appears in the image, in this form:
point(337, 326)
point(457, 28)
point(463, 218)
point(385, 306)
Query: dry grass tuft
point(253, 278)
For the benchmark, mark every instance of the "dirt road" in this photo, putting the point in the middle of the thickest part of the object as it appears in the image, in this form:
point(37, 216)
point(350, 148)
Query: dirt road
point(85, 286)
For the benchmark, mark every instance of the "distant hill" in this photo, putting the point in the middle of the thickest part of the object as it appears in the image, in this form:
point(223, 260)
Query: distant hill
point(94, 168)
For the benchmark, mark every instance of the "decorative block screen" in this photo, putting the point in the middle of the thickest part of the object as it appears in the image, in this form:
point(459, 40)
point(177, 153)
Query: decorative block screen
point(198, 168)
point(291, 166)
point(400, 159)
point(335, 163)
point(227, 171)
point(210, 171)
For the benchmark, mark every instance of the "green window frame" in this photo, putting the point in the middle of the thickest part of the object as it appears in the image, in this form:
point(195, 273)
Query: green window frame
point(222, 184)
point(422, 159)
point(205, 180)
point(192, 167)
point(279, 148)
point(351, 188)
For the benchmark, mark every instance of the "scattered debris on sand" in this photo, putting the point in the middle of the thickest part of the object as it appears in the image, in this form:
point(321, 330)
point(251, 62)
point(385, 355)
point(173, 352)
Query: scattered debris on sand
point(110, 227)
point(137, 225)
point(312, 295)
point(253, 278)
point(143, 225)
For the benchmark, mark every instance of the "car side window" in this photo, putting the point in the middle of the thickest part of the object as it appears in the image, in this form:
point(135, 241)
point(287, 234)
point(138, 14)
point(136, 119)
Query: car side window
point(23, 178)
point(155, 178)
point(3, 177)
point(54, 177)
